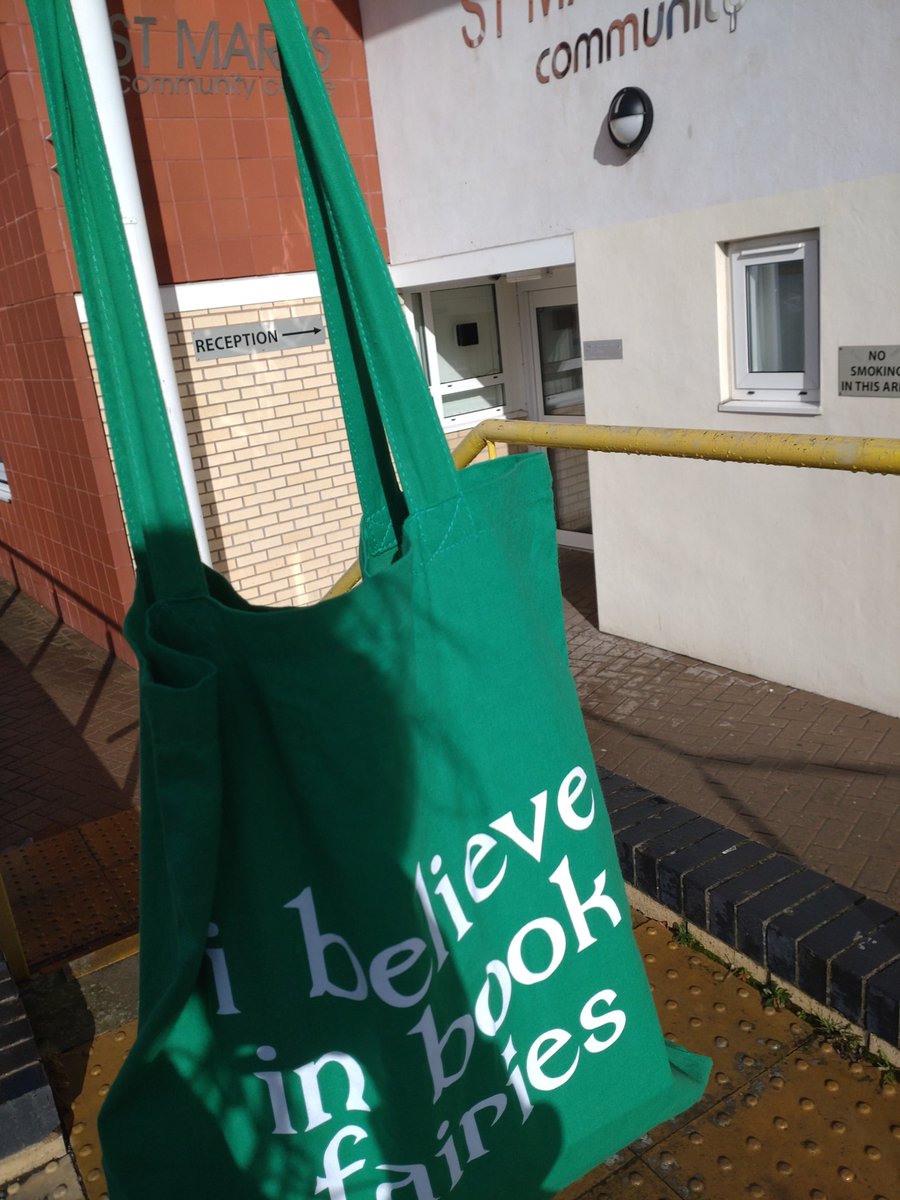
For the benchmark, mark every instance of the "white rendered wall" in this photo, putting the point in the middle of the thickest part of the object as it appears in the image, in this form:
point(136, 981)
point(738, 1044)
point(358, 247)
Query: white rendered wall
point(792, 574)
point(475, 152)
point(787, 123)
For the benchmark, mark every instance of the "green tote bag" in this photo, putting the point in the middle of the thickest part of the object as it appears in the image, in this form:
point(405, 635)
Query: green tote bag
point(385, 944)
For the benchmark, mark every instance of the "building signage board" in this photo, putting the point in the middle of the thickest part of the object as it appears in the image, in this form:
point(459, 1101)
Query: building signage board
point(262, 337)
point(594, 44)
point(869, 370)
point(609, 348)
point(218, 59)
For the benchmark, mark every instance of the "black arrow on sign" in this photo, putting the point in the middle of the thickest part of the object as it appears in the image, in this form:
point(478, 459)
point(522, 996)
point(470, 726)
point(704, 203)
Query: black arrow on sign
point(302, 332)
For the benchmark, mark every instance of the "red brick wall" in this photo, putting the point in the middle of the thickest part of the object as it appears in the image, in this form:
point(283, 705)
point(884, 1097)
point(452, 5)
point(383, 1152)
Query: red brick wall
point(220, 187)
point(61, 536)
point(213, 143)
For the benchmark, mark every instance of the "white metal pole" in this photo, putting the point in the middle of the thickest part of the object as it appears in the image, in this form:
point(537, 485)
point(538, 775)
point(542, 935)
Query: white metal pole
point(92, 21)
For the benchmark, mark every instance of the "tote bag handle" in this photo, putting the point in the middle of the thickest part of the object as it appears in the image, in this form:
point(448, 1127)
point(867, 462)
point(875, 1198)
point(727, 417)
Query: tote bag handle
point(388, 409)
point(153, 499)
point(384, 393)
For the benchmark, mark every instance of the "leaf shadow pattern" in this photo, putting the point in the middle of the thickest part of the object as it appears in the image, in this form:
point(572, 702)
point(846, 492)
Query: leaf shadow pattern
point(291, 976)
point(708, 766)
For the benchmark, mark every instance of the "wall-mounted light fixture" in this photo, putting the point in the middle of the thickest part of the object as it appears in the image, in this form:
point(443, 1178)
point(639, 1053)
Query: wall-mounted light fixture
point(630, 118)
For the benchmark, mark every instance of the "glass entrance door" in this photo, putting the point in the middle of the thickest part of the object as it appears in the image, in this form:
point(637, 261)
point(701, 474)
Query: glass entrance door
point(558, 395)
point(458, 336)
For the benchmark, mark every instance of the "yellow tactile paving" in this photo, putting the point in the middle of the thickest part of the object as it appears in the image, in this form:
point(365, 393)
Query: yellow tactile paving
point(113, 840)
point(74, 891)
point(811, 1127)
point(90, 1071)
point(711, 1011)
point(783, 1118)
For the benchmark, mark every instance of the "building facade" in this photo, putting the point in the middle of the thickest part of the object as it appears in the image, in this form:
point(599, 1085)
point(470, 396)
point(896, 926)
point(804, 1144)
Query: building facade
point(739, 271)
point(214, 155)
point(712, 279)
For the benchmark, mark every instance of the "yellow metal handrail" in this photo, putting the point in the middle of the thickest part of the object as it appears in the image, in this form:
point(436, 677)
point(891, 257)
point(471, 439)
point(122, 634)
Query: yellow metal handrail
point(873, 456)
point(880, 456)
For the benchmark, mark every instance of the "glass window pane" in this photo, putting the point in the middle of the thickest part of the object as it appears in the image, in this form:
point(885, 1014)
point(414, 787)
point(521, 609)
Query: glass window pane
point(415, 303)
point(775, 316)
point(465, 332)
point(460, 403)
point(559, 347)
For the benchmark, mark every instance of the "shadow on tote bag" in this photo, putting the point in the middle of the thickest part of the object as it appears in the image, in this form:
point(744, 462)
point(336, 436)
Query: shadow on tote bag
point(385, 945)
point(229, 1109)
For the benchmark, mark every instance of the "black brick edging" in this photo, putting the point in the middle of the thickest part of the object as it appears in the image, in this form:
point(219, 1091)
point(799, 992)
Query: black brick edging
point(28, 1116)
point(828, 941)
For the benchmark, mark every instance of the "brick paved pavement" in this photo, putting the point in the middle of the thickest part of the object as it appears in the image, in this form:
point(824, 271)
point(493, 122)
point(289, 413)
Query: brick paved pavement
point(805, 775)
point(811, 777)
point(68, 726)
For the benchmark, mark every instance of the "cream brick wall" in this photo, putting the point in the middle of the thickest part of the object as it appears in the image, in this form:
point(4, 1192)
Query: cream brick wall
point(271, 458)
point(571, 489)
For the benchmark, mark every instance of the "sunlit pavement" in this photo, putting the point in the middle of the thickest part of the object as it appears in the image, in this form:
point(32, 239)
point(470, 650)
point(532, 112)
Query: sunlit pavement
point(784, 1114)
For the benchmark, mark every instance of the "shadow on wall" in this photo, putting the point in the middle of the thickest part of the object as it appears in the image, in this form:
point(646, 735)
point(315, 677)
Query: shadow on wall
point(68, 726)
point(149, 190)
point(606, 152)
point(179, 330)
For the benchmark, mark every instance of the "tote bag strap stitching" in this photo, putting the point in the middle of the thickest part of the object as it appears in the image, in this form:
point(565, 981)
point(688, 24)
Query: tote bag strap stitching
point(191, 906)
point(126, 432)
point(164, 845)
point(376, 480)
point(384, 530)
point(418, 435)
point(397, 442)
point(332, 252)
point(135, 316)
point(431, 490)
point(405, 453)
point(365, 455)
point(460, 529)
point(452, 531)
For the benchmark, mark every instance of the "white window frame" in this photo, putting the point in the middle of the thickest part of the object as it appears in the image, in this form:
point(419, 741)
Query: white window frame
point(532, 300)
point(785, 392)
point(440, 390)
point(5, 493)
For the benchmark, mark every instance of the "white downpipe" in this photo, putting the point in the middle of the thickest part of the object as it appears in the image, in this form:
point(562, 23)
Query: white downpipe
point(92, 21)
